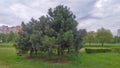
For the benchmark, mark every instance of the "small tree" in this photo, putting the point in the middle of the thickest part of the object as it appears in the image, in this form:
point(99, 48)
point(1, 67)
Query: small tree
point(104, 36)
point(116, 39)
point(56, 31)
point(11, 36)
point(90, 37)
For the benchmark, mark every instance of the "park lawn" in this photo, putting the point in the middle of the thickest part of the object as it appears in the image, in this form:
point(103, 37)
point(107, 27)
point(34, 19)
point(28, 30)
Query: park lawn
point(10, 44)
point(9, 59)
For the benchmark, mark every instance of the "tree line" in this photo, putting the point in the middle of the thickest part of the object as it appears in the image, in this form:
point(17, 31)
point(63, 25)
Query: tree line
point(101, 36)
point(9, 37)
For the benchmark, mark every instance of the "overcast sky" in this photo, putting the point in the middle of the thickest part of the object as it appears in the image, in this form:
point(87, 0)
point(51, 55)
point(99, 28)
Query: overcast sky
point(91, 14)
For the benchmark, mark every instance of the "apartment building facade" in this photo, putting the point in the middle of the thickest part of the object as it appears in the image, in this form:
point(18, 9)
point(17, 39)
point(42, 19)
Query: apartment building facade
point(6, 29)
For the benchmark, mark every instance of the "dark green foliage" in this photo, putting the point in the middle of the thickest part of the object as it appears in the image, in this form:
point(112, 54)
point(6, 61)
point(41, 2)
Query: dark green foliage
point(117, 39)
point(24, 40)
point(55, 33)
point(80, 35)
point(102, 50)
point(3, 37)
point(97, 50)
point(64, 23)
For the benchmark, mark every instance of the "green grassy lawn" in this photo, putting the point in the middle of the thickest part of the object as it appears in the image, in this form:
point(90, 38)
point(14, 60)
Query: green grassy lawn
point(9, 59)
point(10, 44)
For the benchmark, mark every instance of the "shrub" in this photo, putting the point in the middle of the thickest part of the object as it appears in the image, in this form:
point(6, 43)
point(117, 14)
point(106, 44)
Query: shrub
point(97, 50)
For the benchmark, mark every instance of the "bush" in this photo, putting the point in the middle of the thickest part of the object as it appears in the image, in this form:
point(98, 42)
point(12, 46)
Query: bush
point(97, 50)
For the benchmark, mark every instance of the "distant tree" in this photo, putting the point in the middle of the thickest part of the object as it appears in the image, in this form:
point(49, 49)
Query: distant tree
point(3, 37)
point(104, 36)
point(90, 37)
point(11, 37)
point(116, 39)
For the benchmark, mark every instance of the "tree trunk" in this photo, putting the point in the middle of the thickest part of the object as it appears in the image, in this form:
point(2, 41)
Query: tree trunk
point(68, 50)
point(77, 48)
point(35, 51)
point(31, 51)
point(58, 51)
point(59, 54)
point(102, 44)
point(62, 50)
point(89, 43)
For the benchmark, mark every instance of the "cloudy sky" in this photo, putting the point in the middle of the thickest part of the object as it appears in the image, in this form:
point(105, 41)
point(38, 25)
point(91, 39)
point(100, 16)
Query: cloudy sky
point(91, 14)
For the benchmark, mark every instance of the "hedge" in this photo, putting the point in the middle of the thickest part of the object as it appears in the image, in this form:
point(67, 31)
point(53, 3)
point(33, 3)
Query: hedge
point(97, 50)
point(116, 50)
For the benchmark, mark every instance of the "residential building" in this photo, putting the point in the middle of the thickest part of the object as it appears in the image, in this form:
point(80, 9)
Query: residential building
point(5, 29)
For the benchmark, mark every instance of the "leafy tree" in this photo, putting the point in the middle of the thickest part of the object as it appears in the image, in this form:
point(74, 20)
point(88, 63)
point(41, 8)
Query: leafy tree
point(3, 37)
point(90, 37)
point(11, 37)
point(104, 36)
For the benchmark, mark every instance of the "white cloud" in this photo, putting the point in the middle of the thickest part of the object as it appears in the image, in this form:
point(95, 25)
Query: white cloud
point(108, 12)
point(24, 12)
point(91, 14)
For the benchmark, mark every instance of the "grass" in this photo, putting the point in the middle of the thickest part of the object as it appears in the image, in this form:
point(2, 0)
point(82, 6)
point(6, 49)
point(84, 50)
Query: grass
point(10, 44)
point(9, 59)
